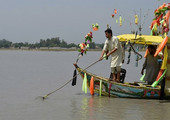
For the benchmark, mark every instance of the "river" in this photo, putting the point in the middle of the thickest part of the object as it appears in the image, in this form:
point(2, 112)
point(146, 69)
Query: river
point(26, 75)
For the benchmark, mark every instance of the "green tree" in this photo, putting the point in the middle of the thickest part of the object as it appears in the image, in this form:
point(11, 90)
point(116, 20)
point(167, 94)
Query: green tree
point(92, 45)
point(63, 44)
point(5, 43)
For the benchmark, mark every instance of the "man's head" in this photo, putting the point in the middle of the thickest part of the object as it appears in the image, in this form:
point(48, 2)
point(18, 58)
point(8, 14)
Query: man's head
point(108, 33)
point(152, 49)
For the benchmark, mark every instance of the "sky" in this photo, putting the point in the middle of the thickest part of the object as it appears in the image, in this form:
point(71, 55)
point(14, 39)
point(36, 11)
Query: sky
point(70, 20)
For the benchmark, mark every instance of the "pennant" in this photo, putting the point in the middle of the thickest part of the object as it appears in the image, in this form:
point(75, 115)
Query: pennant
point(142, 78)
point(92, 86)
point(74, 78)
point(163, 67)
point(84, 85)
point(100, 92)
point(160, 78)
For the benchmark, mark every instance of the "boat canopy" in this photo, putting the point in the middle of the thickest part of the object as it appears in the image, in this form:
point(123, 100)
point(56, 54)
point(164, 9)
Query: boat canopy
point(143, 39)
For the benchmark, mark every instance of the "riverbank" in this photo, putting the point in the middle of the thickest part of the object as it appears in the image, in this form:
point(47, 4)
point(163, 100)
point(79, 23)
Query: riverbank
point(47, 49)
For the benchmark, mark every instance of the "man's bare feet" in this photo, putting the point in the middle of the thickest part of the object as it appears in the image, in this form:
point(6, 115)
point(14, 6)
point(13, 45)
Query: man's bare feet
point(117, 80)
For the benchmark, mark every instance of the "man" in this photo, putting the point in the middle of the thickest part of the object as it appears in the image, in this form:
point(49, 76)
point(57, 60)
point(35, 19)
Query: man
point(114, 48)
point(151, 65)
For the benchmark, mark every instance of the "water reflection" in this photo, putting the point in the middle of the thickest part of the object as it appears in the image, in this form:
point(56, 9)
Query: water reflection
point(105, 108)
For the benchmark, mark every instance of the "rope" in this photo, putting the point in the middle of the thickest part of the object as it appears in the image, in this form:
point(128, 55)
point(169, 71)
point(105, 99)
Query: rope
point(140, 56)
point(45, 96)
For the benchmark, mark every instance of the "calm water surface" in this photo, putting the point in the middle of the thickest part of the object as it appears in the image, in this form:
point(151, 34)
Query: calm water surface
point(25, 75)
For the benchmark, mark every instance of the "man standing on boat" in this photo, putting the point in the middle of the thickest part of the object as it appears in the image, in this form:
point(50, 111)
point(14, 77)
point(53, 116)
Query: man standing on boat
point(151, 65)
point(114, 48)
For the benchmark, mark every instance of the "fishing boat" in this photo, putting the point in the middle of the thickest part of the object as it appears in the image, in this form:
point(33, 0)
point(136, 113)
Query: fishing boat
point(123, 90)
point(141, 90)
point(158, 90)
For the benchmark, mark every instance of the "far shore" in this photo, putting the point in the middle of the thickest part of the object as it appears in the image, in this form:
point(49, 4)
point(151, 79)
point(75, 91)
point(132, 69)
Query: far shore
point(47, 49)
point(51, 49)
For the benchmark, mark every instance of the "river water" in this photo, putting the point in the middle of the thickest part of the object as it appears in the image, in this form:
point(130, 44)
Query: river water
point(26, 75)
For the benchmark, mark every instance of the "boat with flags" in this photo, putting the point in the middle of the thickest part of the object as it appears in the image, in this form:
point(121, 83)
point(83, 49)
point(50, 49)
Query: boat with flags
point(160, 89)
point(103, 86)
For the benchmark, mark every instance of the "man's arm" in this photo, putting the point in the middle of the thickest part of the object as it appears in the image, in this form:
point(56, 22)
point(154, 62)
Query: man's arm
point(112, 51)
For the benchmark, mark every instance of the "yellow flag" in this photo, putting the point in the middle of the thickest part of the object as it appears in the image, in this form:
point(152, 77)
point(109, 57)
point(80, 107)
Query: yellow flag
point(165, 59)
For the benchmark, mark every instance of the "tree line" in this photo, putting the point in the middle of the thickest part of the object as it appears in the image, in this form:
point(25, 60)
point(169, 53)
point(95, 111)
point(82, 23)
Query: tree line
point(53, 42)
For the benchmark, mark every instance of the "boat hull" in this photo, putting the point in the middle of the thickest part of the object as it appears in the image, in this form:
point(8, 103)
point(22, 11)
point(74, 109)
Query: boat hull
point(123, 90)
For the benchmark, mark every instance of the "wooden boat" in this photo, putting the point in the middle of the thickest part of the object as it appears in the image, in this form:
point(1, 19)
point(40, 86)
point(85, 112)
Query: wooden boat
point(128, 90)
point(104, 86)
point(123, 90)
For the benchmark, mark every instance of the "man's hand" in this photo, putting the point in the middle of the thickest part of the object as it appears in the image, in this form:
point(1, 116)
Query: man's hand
point(101, 58)
point(108, 54)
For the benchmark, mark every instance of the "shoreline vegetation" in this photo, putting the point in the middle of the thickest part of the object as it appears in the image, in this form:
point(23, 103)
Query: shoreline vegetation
point(46, 49)
point(54, 49)
point(53, 44)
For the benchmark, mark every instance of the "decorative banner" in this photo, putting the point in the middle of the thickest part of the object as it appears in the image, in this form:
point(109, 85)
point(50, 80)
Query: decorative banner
point(85, 45)
point(117, 21)
point(142, 78)
point(115, 11)
point(159, 77)
point(120, 20)
point(136, 19)
point(161, 19)
point(164, 63)
point(84, 85)
point(113, 15)
point(92, 86)
point(95, 27)
point(161, 46)
point(100, 91)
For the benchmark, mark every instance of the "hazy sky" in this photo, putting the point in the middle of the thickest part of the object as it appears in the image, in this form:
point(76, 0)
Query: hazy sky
point(32, 20)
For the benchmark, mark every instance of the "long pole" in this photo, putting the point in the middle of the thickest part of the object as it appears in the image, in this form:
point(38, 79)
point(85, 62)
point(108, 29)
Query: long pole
point(45, 96)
